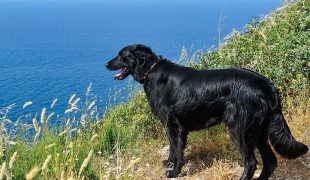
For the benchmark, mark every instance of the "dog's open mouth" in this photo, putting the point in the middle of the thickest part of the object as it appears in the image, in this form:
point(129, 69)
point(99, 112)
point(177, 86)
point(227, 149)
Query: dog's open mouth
point(122, 75)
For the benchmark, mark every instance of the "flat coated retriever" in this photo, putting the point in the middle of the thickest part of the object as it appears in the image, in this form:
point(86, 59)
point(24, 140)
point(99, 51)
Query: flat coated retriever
point(186, 99)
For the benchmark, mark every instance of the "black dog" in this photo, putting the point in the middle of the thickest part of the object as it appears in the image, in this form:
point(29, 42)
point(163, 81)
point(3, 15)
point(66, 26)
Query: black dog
point(185, 99)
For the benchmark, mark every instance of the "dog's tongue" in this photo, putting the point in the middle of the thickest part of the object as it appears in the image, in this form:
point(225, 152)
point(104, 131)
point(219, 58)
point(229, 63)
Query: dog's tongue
point(119, 74)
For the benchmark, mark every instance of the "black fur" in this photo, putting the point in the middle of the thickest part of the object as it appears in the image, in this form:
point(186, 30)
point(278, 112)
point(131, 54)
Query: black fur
point(185, 99)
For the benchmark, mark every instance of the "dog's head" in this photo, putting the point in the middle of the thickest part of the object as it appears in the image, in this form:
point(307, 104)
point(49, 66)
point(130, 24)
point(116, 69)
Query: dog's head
point(133, 60)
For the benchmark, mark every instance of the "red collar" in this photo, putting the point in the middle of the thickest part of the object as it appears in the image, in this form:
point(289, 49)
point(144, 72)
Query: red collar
point(150, 70)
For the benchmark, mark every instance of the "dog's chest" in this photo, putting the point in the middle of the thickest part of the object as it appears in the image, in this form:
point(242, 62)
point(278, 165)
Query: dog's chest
point(158, 106)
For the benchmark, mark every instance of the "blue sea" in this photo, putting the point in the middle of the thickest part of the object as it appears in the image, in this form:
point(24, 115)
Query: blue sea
point(53, 49)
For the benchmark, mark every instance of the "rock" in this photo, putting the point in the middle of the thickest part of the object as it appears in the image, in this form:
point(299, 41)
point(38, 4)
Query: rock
point(164, 152)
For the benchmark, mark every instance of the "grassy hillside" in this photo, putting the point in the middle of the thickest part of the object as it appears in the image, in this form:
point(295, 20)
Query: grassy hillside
point(128, 142)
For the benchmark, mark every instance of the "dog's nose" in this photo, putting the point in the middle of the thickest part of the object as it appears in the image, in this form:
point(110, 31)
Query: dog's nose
point(107, 65)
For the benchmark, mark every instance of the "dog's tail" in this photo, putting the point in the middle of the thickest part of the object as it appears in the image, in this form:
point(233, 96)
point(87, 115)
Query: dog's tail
point(280, 135)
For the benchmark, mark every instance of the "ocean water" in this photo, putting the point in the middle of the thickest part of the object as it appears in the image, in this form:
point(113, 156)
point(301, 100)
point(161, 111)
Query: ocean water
point(53, 49)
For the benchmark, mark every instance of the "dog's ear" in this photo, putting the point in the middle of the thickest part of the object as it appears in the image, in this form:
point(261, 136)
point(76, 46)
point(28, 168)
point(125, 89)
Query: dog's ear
point(142, 53)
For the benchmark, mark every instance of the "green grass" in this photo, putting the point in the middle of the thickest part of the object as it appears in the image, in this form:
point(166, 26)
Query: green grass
point(277, 47)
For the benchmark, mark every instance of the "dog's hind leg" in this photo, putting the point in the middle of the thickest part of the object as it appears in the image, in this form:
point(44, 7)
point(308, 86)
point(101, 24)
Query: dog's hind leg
point(250, 163)
point(268, 157)
point(247, 151)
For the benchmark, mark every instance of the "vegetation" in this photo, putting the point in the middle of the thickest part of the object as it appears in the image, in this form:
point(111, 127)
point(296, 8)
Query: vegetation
point(127, 142)
point(276, 46)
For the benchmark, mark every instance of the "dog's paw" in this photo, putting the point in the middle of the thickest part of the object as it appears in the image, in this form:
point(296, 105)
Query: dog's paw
point(171, 173)
point(168, 164)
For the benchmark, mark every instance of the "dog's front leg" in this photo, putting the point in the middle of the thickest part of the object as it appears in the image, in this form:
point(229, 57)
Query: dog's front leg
point(181, 140)
point(172, 136)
